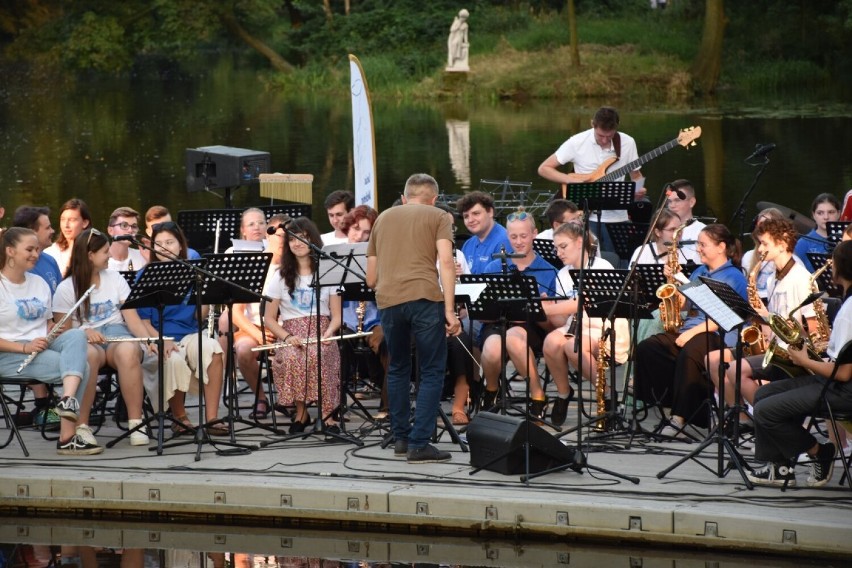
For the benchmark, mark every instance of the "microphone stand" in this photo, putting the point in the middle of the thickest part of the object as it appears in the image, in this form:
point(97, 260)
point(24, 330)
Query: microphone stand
point(739, 212)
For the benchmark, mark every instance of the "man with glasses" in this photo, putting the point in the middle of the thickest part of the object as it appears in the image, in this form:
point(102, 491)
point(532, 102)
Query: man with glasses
point(588, 150)
point(124, 221)
point(521, 229)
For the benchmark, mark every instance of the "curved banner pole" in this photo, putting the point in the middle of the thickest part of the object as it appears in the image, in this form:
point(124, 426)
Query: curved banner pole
point(363, 139)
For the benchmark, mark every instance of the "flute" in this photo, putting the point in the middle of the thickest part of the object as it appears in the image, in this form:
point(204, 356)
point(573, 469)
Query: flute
point(57, 329)
point(136, 339)
point(282, 344)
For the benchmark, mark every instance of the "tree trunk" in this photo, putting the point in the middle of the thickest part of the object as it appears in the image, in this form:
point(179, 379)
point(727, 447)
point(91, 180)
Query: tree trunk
point(572, 30)
point(708, 62)
point(232, 25)
point(326, 7)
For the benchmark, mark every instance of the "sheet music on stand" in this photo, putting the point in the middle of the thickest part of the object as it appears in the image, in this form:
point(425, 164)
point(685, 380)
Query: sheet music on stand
point(609, 195)
point(546, 250)
point(719, 301)
point(600, 289)
point(352, 255)
point(507, 294)
point(835, 229)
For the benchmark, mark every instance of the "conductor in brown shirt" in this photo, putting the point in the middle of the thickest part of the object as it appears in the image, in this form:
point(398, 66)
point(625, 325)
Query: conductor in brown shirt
point(401, 266)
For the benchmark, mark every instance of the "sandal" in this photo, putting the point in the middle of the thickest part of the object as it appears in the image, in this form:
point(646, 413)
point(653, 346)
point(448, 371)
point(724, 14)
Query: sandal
point(261, 410)
point(182, 425)
point(220, 429)
point(460, 418)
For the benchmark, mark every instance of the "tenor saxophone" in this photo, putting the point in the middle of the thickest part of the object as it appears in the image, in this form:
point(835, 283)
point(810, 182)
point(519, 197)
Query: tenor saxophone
point(820, 337)
point(752, 336)
point(670, 301)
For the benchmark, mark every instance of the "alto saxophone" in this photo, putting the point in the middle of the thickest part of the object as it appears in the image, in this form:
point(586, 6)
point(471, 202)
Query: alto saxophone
point(819, 338)
point(670, 303)
point(600, 383)
point(752, 336)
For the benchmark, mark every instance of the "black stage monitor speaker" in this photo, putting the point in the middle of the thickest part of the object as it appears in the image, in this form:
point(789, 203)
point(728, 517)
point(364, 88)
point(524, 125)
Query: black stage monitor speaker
point(219, 167)
point(496, 437)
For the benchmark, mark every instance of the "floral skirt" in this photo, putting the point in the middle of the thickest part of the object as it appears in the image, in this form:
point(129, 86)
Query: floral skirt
point(294, 369)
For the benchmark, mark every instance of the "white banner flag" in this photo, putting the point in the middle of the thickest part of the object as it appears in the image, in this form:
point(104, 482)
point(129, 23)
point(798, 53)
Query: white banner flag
point(363, 142)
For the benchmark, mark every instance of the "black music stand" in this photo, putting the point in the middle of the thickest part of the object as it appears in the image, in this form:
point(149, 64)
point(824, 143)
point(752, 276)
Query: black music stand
point(238, 278)
point(602, 195)
point(626, 237)
point(199, 225)
point(824, 280)
point(129, 276)
point(161, 284)
point(834, 230)
point(545, 249)
point(730, 311)
point(354, 292)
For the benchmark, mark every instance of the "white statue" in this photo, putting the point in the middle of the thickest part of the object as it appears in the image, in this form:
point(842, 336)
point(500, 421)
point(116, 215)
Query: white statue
point(457, 43)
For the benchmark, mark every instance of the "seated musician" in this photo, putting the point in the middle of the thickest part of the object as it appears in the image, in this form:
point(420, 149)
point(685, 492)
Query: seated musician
point(101, 318)
point(781, 407)
point(680, 200)
point(487, 236)
point(247, 328)
point(559, 345)
point(74, 218)
point(294, 300)
point(155, 215)
point(124, 221)
point(657, 250)
point(825, 208)
point(337, 205)
point(521, 230)
point(25, 310)
point(181, 353)
point(357, 225)
point(751, 258)
point(788, 288)
point(559, 211)
point(670, 367)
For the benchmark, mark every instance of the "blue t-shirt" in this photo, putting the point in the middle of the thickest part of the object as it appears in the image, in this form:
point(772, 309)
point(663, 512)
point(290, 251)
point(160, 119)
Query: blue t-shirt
point(730, 275)
point(48, 269)
point(543, 271)
point(179, 319)
point(478, 254)
point(812, 242)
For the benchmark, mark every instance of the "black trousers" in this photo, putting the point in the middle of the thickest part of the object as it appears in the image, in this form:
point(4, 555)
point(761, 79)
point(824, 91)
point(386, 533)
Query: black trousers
point(671, 376)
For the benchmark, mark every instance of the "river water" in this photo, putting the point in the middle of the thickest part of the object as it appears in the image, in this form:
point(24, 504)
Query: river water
point(123, 141)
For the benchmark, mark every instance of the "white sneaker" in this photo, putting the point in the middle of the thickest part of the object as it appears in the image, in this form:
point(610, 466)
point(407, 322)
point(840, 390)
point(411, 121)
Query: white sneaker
point(139, 437)
point(85, 434)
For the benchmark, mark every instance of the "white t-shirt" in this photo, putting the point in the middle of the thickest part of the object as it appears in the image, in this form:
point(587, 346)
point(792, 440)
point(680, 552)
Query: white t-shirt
point(104, 302)
point(841, 330)
point(62, 257)
point(586, 155)
point(767, 270)
point(24, 308)
point(133, 256)
point(330, 239)
point(690, 233)
point(253, 310)
point(301, 303)
point(650, 255)
point(593, 327)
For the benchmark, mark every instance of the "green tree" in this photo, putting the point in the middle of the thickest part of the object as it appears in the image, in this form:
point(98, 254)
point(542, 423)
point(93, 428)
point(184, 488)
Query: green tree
point(708, 62)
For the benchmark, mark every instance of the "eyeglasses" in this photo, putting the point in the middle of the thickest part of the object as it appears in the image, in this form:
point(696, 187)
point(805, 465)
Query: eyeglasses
point(124, 225)
point(92, 232)
point(165, 244)
point(517, 216)
point(164, 226)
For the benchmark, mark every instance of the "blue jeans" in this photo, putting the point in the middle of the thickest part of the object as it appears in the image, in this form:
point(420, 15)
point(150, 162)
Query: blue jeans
point(66, 356)
point(424, 320)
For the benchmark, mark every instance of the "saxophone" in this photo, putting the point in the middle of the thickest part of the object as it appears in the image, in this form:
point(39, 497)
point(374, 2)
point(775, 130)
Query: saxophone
point(600, 382)
point(819, 338)
point(752, 336)
point(670, 304)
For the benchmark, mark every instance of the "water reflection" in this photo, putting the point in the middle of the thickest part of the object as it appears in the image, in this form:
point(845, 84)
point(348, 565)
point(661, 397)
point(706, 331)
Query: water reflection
point(122, 141)
point(43, 543)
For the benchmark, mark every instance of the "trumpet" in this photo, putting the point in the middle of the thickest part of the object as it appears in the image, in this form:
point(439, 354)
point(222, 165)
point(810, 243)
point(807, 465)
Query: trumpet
point(282, 344)
point(57, 329)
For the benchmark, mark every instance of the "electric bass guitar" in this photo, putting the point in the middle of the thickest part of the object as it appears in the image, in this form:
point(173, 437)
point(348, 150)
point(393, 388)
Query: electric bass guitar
point(686, 138)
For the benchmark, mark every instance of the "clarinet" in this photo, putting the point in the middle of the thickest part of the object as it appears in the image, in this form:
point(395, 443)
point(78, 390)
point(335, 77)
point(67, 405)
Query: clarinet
point(57, 329)
point(211, 315)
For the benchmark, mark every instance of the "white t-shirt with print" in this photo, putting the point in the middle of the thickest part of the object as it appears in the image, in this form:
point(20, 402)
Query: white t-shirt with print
point(104, 302)
point(24, 308)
